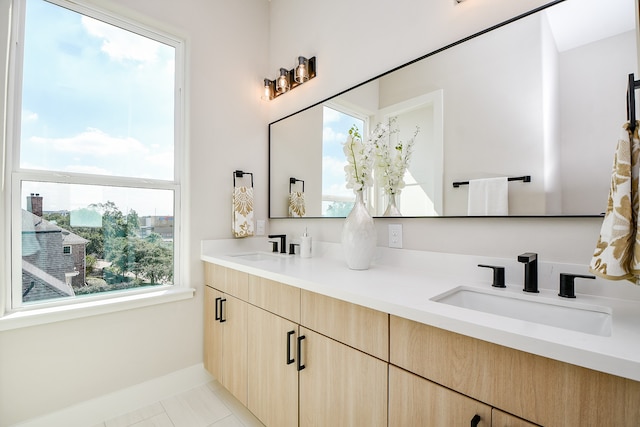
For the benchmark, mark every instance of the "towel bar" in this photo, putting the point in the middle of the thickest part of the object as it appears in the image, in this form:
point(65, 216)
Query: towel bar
point(525, 178)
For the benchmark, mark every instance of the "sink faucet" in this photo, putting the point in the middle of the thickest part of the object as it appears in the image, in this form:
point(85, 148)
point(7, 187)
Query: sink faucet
point(283, 242)
point(530, 261)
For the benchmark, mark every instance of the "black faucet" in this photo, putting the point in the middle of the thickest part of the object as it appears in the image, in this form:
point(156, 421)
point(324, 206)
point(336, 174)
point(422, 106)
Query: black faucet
point(283, 242)
point(530, 261)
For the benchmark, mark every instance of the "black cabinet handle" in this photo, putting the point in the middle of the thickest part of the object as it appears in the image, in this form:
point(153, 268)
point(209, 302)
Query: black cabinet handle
point(475, 420)
point(300, 365)
point(217, 311)
point(222, 319)
point(290, 360)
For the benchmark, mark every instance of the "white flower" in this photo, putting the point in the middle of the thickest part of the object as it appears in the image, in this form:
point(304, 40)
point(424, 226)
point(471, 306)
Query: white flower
point(360, 157)
point(392, 160)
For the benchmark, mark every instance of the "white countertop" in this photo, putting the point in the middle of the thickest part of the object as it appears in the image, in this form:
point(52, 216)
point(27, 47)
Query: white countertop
point(403, 282)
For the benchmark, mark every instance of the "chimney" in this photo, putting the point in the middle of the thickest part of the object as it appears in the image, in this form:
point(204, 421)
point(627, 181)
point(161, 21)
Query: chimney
point(34, 204)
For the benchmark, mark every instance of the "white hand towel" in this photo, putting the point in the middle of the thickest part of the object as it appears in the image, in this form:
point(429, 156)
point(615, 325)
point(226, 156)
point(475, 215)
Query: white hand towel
point(488, 197)
point(242, 212)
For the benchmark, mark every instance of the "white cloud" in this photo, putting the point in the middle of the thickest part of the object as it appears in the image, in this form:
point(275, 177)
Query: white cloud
point(121, 44)
point(329, 115)
point(94, 142)
point(29, 116)
point(330, 136)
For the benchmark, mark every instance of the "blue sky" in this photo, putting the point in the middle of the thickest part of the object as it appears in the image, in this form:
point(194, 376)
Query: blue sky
point(96, 99)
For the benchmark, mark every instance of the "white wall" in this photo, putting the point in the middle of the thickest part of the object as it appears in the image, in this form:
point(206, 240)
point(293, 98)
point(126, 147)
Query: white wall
point(46, 368)
point(614, 63)
point(357, 40)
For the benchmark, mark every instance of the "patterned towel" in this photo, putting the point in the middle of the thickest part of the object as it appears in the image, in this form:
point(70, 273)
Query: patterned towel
point(296, 204)
point(617, 253)
point(242, 215)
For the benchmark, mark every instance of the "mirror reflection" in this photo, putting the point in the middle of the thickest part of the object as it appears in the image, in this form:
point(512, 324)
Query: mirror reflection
point(542, 97)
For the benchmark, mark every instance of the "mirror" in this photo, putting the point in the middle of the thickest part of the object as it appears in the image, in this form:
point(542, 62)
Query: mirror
point(542, 96)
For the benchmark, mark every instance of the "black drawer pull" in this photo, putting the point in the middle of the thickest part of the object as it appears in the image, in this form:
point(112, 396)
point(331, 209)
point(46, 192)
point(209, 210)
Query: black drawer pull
point(475, 420)
point(222, 319)
point(217, 311)
point(300, 365)
point(290, 360)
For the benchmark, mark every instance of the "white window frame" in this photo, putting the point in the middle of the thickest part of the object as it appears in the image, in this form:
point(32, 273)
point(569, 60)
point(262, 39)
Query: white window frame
point(14, 175)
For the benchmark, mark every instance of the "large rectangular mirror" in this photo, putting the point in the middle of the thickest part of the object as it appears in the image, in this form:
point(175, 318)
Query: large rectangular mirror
point(542, 96)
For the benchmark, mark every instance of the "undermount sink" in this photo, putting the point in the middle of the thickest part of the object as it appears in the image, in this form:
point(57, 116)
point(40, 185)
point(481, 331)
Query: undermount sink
point(572, 315)
point(261, 256)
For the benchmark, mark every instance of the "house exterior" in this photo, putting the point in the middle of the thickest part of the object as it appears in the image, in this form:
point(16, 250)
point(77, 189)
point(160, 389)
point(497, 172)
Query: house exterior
point(53, 259)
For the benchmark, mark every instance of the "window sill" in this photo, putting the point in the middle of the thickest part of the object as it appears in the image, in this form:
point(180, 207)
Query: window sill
point(26, 318)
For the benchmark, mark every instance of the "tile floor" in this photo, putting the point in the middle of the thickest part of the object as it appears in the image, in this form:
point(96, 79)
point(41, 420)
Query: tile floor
point(208, 405)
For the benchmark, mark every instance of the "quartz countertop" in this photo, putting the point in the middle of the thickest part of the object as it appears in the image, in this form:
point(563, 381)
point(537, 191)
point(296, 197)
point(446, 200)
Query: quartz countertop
point(403, 283)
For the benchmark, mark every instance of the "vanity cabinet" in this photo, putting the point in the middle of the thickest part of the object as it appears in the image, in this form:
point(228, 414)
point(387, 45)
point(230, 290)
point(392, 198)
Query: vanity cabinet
point(311, 360)
point(541, 390)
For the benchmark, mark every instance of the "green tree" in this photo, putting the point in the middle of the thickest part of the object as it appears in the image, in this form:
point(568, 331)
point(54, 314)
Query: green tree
point(154, 259)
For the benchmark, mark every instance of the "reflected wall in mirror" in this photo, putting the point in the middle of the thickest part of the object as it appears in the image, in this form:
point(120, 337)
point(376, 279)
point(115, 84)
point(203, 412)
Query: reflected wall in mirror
point(542, 96)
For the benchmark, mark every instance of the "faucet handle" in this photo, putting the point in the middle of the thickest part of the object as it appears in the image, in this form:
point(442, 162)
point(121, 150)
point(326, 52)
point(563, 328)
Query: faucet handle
point(498, 275)
point(567, 285)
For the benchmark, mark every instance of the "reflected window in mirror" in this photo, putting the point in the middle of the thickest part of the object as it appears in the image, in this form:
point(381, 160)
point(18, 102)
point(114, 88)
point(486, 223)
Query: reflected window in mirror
point(337, 199)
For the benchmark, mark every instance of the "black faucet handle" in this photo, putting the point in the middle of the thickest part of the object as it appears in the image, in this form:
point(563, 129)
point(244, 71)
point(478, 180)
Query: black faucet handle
point(292, 248)
point(567, 284)
point(283, 242)
point(274, 245)
point(498, 275)
point(527, 257)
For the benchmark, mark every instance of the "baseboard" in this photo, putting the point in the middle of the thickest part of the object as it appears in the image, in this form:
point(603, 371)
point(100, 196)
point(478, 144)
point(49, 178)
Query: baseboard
point(95, 411)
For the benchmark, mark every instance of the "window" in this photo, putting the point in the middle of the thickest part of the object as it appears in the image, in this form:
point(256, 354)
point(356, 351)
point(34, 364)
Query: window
point(94, 155)
point(337, 199)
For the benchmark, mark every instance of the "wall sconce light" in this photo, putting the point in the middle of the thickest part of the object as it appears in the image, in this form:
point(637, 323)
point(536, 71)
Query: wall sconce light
point(458, 1)
point(290, 79)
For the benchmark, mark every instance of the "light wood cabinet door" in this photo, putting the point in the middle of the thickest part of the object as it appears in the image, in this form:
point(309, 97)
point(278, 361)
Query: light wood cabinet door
point(273, 374)
point(502, 419)
point(357, 326)
point(227, 280)
point(225, 343)
point(234, 346)
point(276, 297)
point(340, 386)
point(212, 334)
point(414, 402)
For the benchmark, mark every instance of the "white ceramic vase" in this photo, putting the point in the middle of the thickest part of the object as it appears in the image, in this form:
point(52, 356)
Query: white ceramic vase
point(359, 236)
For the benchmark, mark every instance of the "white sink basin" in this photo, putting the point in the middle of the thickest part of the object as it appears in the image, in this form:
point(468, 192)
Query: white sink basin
point(572, 315)
point(261, 256)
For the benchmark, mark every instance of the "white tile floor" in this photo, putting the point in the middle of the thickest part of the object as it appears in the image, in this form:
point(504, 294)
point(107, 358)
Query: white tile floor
point(208, 405)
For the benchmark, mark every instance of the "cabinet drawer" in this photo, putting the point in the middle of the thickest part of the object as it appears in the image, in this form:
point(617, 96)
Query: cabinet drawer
point(414, 401)
point(542, 390)
point(359, 327)
point(276, 297)
point(227, 280)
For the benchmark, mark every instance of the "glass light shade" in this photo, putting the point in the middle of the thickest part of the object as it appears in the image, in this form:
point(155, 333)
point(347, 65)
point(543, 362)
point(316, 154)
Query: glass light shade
point(282, 84)
point(302, 70)
point(268, 90)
